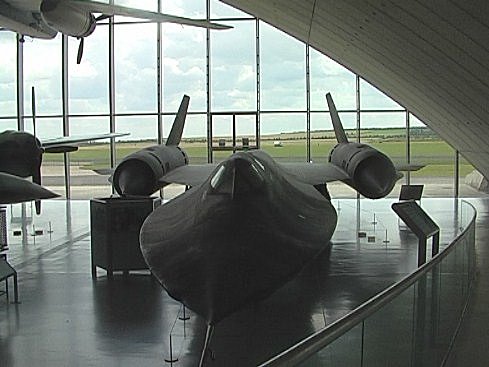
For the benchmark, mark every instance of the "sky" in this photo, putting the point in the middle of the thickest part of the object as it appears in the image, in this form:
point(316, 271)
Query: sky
point(233, 78)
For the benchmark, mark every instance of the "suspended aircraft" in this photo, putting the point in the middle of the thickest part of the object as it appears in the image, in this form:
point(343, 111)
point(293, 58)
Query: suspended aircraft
point(22, 153)
point(246, 225)
point(21, 157)
point(14, 189)
point(75, 18)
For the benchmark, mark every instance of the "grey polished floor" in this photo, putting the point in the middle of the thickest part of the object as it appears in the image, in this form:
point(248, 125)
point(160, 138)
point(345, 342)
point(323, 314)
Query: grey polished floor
point(67, 319)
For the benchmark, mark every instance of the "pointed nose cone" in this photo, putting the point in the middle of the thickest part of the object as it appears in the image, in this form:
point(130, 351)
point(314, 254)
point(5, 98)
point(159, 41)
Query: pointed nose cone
point(15, 190)
point(239, 176)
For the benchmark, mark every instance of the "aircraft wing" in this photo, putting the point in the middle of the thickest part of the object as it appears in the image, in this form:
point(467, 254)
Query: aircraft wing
point(104, 172)
point(409, 167)
point(191, 175)
point(14, 189)
point(22, 16)
point(63, 144)
point(107, 9)
point(311, 173)
point(24, 5)
point(315, 173)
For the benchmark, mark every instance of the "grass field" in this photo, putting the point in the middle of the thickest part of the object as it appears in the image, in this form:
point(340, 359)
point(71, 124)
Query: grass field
point(438, 156)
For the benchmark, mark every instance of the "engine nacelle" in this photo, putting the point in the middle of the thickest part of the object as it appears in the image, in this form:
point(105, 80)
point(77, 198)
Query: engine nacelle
point(139, 173)
point(67, 18)
point(371, 172)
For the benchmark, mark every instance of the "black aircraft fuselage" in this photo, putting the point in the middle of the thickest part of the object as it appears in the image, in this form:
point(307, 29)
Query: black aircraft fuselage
point(237, 237)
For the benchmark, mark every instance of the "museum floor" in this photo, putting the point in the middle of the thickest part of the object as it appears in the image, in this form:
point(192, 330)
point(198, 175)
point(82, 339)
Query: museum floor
point(65, 318)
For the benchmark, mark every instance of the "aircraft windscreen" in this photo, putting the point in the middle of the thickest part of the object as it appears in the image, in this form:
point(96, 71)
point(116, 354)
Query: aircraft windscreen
point(216, 178)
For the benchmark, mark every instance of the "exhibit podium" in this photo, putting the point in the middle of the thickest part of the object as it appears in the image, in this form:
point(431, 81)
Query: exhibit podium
point(115, 224)
point(420, 223)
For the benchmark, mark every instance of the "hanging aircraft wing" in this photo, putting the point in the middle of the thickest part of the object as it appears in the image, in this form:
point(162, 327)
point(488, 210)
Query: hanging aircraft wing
point(24, 5)
point(107, 9)
point(190, 175)
point(14, 189)
point(68, 143)
point(22, 16)
point(315, 173)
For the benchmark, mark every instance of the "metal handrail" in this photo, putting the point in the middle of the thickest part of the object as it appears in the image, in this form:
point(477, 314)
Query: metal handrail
point(319, 340)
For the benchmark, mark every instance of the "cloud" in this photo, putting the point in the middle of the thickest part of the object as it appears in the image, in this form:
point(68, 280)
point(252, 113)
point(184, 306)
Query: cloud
point(191, 9)
point(8, 91)
point(283, 79)
point(372, 98)
point(150, 5)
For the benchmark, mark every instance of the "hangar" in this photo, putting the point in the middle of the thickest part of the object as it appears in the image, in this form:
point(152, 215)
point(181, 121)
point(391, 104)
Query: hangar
point(426, 57)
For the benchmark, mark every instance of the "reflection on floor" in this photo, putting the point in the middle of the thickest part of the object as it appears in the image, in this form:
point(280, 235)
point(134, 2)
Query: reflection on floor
point(67, 319)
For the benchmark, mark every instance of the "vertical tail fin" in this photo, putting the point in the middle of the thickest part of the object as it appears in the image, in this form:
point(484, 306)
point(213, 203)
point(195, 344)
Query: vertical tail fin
point(179, 122)
point(335, 118)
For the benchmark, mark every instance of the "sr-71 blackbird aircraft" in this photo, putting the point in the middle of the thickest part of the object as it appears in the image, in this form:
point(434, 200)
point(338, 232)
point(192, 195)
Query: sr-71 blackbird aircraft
point(247, 225)
point(45, 18)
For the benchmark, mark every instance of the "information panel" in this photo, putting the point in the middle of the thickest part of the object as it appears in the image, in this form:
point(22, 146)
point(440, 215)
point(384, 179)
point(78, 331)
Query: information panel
point(411, 192)
point(416, 218)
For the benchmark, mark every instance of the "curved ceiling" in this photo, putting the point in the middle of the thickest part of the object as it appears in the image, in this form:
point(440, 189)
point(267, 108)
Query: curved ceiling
point(430, 56)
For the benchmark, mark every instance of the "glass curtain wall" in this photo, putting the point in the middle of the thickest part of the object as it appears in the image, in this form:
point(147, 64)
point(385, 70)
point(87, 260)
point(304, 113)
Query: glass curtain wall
point(266, 84)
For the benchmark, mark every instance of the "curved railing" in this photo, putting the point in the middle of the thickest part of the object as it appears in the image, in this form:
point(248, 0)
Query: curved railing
point(411, 323)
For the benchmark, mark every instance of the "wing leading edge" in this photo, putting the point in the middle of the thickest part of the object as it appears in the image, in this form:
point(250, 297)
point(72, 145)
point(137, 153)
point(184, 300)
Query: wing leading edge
point(107, 9)
point(66, 140)
point(310, 173)
point(190, 175)
point(315, 173)
point(67, 144)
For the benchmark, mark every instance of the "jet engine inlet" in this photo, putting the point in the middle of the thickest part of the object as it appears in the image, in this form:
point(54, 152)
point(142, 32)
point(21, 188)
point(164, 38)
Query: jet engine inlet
point(139, 173)
point(136, 177)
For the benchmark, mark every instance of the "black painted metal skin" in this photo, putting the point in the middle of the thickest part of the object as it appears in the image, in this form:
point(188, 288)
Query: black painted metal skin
point(249, 225)
point(14, 189)
point(21, 154)
point(237, 237)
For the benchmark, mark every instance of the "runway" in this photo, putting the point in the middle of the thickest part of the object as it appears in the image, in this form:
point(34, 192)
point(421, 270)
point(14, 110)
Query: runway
point(66, 318)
